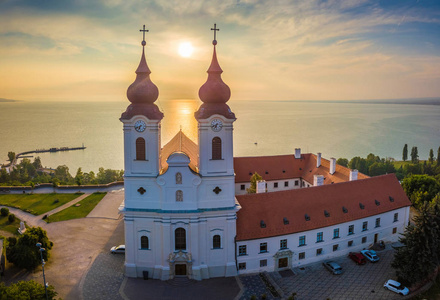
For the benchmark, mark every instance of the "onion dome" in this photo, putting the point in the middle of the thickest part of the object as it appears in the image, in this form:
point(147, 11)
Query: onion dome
point(214, 93)
point(142, 93)
point(214, 90)
point(142, 90)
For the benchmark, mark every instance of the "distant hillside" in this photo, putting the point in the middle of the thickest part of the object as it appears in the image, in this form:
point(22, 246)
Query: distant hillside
point(7, 100)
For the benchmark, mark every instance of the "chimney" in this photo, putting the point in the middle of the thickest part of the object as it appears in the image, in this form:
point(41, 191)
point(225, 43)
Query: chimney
point(353, 175)
point(332, 165)
point(261, 186)
point(318, 160)
point(297, 152)
point(318, 180)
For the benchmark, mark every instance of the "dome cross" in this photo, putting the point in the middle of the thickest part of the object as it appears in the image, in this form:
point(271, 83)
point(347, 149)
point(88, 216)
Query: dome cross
point(215, 33)
point(143, 33)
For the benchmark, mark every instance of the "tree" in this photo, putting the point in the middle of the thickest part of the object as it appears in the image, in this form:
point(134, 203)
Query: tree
point(24, 253)
point(37, 163)
point(342, 161)
point(420, 188)
point(438, 156)
point(4, 211)
point(405, 152)
point(420, 255)
point(27, 290)
point(62, 173)
point(253, 188)
point(431, 156)
point(79, 177)
point(11, 156)
point(414, 155)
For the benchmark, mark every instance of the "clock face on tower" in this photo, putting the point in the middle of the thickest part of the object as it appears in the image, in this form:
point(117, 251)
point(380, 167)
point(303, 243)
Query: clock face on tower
point(216, 125)
point(140, 126)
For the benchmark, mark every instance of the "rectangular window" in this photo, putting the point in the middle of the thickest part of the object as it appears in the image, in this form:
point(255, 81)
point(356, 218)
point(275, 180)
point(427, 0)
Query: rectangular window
point(242, 266)
point(263, 247)
point(296, 182)
point(377, 222)
point(396, 217)
point(242, 250)
point(394, 230)
point(318, 251)
point(335, 247)
point(302, 240)
point(263, 263)
point(283, 244)
point(286, 183)
point(302, 255)
point(350, 229)
point(275, 184)
point(319, 237)
point(364, 240)
point(336, 233)
point(242, 187)
point(365, 226)
point(350, 243)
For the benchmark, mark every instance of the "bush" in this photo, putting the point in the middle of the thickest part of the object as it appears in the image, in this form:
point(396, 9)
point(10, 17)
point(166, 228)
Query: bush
point(25, 253)
point(27, 290)
point(4, 211)
point(11, 218)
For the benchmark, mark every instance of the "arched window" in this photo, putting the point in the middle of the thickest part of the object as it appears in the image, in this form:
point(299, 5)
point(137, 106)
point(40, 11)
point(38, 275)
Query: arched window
point(144, 242)
point(179, 196)
point(180, 239)
point(140, 149)
point(178, 178)
point(216, 148)
point(216, 242)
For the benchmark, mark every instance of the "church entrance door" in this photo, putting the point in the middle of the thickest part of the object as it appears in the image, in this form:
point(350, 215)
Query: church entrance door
point(180, 270)
point(283, 262)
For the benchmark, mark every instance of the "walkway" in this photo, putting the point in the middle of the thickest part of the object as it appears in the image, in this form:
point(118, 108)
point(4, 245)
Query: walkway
point(77, 243)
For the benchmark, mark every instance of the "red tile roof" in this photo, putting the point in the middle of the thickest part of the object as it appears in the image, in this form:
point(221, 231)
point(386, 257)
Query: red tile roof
point(287, 166)
point(180, 143)
point(294, 204)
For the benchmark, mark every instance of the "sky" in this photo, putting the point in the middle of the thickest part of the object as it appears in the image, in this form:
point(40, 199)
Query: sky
point(83, 50)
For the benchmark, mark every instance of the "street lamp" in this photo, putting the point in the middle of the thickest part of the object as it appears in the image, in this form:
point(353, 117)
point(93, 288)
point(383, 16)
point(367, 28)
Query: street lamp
point(42, 265)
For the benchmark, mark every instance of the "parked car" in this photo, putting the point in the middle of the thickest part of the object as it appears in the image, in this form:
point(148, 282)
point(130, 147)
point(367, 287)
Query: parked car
point(118, 249)
point(396, 287)
point(333, 267)
point(371, 255)
point(358, 258)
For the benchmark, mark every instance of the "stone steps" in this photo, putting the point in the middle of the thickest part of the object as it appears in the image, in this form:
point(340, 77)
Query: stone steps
point(181, 281)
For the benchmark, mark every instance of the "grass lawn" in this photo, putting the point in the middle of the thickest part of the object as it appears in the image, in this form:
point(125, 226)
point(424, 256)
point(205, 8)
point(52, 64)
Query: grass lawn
point(37, 204)
point(9, 227)
point(76, 212)
point(398, 164)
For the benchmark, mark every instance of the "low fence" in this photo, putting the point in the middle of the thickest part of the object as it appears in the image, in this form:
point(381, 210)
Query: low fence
point(46, 188)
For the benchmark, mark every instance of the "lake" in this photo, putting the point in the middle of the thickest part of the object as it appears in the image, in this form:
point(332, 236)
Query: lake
point(336, 129)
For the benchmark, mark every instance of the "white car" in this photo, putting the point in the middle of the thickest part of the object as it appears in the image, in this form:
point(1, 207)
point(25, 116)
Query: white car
point(396, 287)
point(118, 249)
point(371, 255)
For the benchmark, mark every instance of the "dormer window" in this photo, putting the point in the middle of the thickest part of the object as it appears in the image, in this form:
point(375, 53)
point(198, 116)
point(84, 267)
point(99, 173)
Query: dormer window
point(377, 202)
point(307, 217)
point(326, 214)
point(391, 199)
point(285, 221)
point(344, 209)
point(361, 205)
point(262, 224)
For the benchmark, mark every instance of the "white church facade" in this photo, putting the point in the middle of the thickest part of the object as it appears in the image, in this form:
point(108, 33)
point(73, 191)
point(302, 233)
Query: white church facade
point(186, 210)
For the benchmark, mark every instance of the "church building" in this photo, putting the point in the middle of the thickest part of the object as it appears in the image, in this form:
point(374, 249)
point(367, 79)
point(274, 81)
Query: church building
point(186, 209)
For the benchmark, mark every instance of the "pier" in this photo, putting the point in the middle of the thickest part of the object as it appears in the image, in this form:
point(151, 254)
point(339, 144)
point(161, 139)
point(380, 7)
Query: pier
point(50, 150)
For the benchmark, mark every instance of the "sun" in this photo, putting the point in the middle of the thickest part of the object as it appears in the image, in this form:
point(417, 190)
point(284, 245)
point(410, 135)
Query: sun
point(185, 49)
